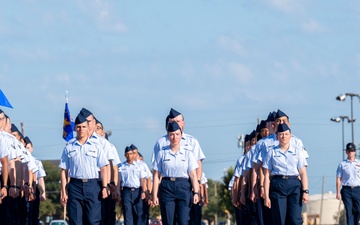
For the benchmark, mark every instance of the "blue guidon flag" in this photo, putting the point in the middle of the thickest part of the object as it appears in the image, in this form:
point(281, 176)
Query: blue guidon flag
point(4, 101)
point(68, 128)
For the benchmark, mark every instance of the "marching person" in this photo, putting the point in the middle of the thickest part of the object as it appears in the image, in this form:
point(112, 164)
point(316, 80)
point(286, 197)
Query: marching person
point(174, 166)
point(348, 176)
point(133, 185)
point(81, 161)
point(40, 194)
point(284, 192)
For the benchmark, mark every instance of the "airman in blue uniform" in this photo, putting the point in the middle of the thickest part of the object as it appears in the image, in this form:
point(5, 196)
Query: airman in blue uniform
point(348, 178)
point(176, 168)
point(132, 183)
point(284, 192)
point(81, 161)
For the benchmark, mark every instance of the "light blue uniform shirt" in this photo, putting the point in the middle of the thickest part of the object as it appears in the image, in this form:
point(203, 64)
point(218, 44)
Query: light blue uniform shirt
point(188, 142)
point(83, 161)
point(349, 172)
point(109, 149)
point(249, 160)
point(131, 174)
point(231, 183)
point(145, 168)
point(238, 171)
point(284, 163)
point(271, 141)
point(175, 165)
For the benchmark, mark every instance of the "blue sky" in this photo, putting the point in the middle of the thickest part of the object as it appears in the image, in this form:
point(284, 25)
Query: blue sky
point(223, 64)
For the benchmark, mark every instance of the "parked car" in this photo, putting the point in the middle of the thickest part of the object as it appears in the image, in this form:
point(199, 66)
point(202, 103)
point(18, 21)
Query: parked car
point(155, 222)
point(58, 222)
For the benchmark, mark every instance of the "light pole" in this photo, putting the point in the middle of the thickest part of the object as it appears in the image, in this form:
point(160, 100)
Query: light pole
point(342, 97)
point(337, 120)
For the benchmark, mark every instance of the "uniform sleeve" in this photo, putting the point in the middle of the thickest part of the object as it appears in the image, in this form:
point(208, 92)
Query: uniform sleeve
point(267, 163)
point(31, 164)
point(339, 171)
point(101, 160)
point(116, 158)
point(155, 153)
point(3, 148)
point(64, 161)
point(192, 165)
point(157, 165)
point(302, 160)
point(41, 172)
point(198, 153)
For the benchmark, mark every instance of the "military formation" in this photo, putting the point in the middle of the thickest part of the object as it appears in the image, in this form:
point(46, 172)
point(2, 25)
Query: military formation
point(22, 177)
point(94, 180)
point(270, 183)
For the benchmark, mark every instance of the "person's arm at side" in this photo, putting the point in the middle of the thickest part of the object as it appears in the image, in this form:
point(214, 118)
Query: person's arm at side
point(104, 171)
point(195, 186)
point(5, 163)
point(41, 186)
point(63, 191)
point(155, 188)
point(304, 184)
point(338, 185)
point(267, 201)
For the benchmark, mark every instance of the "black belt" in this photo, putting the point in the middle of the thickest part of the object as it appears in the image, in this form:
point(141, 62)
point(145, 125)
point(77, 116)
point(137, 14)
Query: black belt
point(130, 188)
point(284, 177)
point(83, 180)
point(175, 178)
point(351, 186)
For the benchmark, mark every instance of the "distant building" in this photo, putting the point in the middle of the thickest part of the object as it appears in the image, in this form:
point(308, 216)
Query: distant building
point(322, 209)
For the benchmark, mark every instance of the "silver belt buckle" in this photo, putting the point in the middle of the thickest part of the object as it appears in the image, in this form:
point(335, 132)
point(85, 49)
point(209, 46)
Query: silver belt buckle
point(285, 177)
point(172, 178)
point(84, 180)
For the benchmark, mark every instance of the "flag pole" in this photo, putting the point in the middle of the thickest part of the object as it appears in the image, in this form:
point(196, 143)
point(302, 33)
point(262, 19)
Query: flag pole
point(66, 97)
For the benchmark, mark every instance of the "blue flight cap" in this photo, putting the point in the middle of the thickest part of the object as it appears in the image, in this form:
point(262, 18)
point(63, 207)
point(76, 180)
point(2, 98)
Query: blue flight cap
point(106, 136)
point(14, 128)
point(27, 140)
point(85, 112)
point(80, 119)
point(173, 113)
point(247, 138)
point(173, 126)
point(127, 149)
point(280, 113)
point(140, 154)
point(262, 124)
point(1, 111)
point(350, 147)
point(282, 128)
point(268, 119)
point(252, 135)
point(258, 129)
point(133, 147)
point(273, 116)
point(97, 121)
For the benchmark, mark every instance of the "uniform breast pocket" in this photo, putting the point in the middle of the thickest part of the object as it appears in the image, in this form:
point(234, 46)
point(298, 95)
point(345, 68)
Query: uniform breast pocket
point(72, 154)
point(92, 153)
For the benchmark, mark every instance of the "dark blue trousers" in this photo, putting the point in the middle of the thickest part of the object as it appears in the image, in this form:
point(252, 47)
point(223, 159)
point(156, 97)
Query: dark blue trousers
point(175, 194)
point(351, 199)
point(84, 202)
point(132, 206)
point(286, 201)
point(108, 211)
point(195, 214)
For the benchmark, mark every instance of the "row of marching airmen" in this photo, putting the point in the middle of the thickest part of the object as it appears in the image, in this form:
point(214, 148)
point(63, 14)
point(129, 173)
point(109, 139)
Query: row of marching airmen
point(22, 177)
point(93, 179)
point(270, 183)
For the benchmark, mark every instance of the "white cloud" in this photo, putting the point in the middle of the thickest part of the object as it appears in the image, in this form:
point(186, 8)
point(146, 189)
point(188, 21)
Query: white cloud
point(287, 6)
point(101, 12)
point(240, 71)
point(232, 45)
point(313, 26)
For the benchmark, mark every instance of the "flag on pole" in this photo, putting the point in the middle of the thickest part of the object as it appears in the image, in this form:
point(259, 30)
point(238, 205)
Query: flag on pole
point(68, 128)
point(4, 101)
